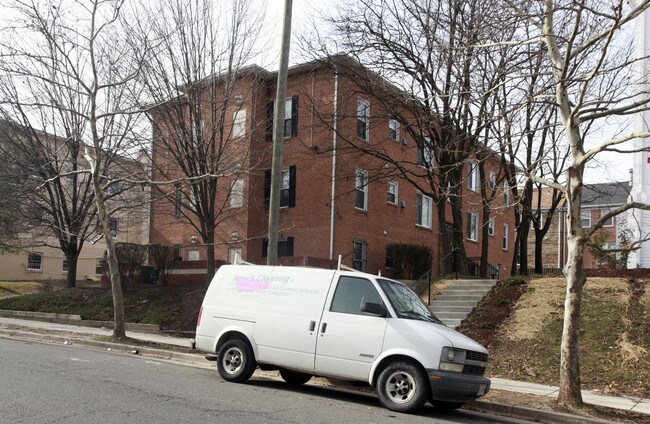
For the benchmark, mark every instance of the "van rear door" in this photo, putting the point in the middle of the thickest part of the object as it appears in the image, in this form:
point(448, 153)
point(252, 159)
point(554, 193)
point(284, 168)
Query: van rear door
point(349, 340)
point(287, 321)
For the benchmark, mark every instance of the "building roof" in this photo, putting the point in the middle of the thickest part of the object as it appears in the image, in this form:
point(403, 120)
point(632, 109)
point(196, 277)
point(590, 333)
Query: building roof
point(604, 194)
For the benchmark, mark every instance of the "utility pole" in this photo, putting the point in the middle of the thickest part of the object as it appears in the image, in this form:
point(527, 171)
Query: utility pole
point(278, 136)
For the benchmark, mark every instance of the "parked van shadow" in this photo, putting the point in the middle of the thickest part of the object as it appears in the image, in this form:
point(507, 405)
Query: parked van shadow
point(371, 400)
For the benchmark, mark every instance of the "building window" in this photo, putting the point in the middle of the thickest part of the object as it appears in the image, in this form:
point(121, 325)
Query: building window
point(610, 221)
point(287, 187)
point(237, 194)
point(585, 218)
point(359, 249)
point(422, 210)
point(392, 192)
point(506, 194)
point(505, 236)
point(492, 182)
point(491, 227)
point(193, 255)
point(472, 176)
point(239, 123)
point(390, 260)
point(285, 247)
point(361, 189)
point(178, 199)
point(363, 119)
point(99, 266)
point(425, 152)
point(472, 226)
point(112, 226)
point(393, 129)
point(34, 261)
point(65, 265)
point(537, 221)
point(177, 252)
point(290, 124)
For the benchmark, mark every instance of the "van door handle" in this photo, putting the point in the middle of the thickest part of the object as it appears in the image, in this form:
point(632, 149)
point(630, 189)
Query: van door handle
point(312, 325)
point(323, 328)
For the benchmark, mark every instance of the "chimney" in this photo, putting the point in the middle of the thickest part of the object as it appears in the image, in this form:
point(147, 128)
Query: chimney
point(631, 177)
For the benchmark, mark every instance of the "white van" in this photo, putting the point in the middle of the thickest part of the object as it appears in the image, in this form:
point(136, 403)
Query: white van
point(332, 323)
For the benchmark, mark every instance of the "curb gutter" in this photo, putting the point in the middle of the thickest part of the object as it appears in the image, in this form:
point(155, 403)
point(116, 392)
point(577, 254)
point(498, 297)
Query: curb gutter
point(535, 415)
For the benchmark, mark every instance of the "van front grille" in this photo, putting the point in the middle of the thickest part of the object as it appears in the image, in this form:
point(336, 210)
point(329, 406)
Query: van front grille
point(476, 356)
point(473, 370)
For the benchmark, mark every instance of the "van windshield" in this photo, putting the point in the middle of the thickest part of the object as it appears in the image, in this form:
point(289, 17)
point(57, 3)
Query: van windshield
point(405, 302)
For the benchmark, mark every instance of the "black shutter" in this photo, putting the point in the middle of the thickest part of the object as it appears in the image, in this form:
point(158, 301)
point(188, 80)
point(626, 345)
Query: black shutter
point(269, 121)
point(267, 187)
point(292, 186)
point(294, 116)
point(289, 246)
point(265, 248)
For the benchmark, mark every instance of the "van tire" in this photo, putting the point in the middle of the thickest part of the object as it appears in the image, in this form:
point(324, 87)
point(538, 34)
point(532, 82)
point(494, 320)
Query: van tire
point(402, 387)
point(236, 361)
point(296, 378)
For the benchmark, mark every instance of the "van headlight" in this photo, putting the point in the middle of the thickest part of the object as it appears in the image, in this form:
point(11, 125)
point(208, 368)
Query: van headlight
point(452, 359)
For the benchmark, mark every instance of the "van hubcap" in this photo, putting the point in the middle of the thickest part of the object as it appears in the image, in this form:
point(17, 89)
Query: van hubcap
point(232, 361)
point(400, 387)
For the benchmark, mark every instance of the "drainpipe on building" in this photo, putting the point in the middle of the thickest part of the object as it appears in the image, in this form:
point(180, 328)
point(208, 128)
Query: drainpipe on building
point(332, 199)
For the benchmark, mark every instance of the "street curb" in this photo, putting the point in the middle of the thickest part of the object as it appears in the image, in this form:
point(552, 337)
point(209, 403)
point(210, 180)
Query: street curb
point(69, 319)
point(114, 347)
point(538, 415)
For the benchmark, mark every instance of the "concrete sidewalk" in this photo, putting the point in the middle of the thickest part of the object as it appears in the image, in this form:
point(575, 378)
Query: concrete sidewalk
point(637, 405)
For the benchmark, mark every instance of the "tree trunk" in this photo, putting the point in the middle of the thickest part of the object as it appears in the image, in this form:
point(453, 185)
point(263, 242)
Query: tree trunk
point(523, 248)
point(209, 254)
point(485, 238)
point(539, 247)
point(71, 256)
point(570, 393)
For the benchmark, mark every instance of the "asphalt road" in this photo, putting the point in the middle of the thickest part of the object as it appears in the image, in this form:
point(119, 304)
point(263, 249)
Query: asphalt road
point(42, 383)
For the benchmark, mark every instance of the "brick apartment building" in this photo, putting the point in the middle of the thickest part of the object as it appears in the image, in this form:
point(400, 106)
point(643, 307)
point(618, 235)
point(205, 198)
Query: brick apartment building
point(334, 200)
point(597, 199)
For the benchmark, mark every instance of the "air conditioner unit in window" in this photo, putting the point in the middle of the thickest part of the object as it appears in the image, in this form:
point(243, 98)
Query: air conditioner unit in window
point(402, 203)
point(239, 99)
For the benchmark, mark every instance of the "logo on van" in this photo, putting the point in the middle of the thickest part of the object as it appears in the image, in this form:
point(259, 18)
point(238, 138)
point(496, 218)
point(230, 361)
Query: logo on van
point(247, 284)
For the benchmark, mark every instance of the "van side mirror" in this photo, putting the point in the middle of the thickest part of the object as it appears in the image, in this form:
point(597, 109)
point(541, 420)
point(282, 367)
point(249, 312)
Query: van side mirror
point(374, 308)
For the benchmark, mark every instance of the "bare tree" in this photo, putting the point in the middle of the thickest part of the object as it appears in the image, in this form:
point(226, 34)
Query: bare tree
point(592, 62)
point(192, 80)
point(76, 51)
point(436, 54)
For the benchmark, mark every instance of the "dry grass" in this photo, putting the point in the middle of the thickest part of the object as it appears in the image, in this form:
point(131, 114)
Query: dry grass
point(9, 288)
point(545, 298)
point(630, 353)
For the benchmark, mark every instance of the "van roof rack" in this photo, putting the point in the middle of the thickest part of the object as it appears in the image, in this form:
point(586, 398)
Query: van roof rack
point(240, 261)
point(345, 267)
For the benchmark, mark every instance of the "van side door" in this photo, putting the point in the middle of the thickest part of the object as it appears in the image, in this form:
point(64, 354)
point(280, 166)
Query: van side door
point(350, 339)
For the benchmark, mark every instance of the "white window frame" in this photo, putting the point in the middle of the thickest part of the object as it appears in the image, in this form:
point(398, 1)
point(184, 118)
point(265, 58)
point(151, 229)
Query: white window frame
point(472, 226)
point(239, 123)
point(505, 237)
point(585, 214)
point(425, 149)
point(237, 193)
point(610, 222)
point(392, 189)
point(492, 182)
point(30, 262)
point(363, 115)
point(472, 175)
point(361, 187)
point(393, 127)
point(423, 213)
point(491, 227)
point(285, 186)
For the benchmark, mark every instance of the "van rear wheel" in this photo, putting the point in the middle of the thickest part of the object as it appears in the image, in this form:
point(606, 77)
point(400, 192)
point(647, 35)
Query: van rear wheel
point(236, 361)
point(296, 378)
point(402, 387)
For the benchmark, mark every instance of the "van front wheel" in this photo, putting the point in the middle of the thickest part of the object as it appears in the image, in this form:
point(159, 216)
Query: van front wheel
point(236, 361)
point(402, 387)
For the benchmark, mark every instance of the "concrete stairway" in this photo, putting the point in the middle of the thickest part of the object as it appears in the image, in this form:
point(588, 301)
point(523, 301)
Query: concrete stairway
point(459, 299)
